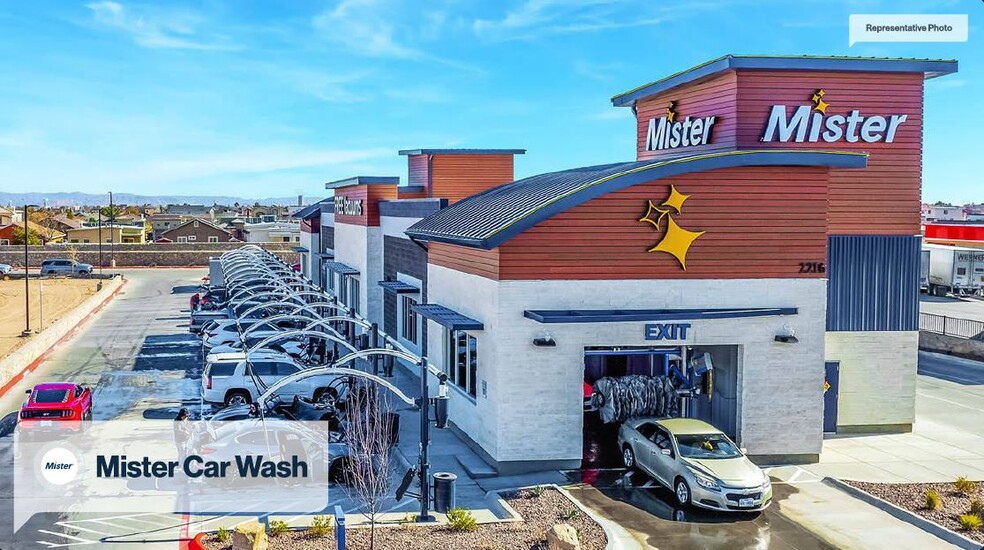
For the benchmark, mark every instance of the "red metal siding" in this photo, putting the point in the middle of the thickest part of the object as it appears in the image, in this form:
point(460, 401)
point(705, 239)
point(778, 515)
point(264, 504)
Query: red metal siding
point(484, 263)
point(418, 171)
point(370, 195)
point(412, 194)
point(882, 199)
point(455, 177)
point(712, 97)
point(972, 235)
point(759, 223)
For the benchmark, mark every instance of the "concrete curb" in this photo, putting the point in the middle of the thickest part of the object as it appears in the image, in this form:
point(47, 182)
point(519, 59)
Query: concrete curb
point(911, 518)
point(25, 359)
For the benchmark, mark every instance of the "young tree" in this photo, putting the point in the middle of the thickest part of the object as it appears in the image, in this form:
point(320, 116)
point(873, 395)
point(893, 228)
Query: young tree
point(113, 213)
point(32, 237)
point(369, 434)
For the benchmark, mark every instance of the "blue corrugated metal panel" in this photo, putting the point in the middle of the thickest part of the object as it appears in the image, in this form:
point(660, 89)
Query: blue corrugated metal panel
point(873, 283)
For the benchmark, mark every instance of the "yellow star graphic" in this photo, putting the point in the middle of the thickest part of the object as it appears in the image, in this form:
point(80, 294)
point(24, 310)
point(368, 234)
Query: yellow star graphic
point(677, 242)
point(676, 199)
point(821, 106)
point(820, 93)
point(651, 211)
point(670, 114)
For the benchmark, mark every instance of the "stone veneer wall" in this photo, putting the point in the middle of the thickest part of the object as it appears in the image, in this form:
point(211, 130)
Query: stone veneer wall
point(136, 255)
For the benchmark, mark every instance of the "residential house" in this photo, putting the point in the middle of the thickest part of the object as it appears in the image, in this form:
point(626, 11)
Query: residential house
point(943, 212)
point(198, 210)
point(272, 232)
point(197, 230)
point(7, 216)
point(116, 233)
point(47, 234)
point(164, 222)
point(61, 222)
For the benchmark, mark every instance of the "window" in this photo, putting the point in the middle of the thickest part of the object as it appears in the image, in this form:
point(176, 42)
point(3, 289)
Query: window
point(5, 242)
point(461, 364)
point(646, 430)
point(662, 440)
point(196, 223)
point(350, 290)
point(409, 321)
point(85, 240)
point(192, 238)
point(213, 239)
point(961, 271)
point(182, 239)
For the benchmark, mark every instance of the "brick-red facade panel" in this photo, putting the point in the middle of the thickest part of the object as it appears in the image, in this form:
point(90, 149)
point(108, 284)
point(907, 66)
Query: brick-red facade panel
point(370, 195)
point(759, 222)
point(455, 177)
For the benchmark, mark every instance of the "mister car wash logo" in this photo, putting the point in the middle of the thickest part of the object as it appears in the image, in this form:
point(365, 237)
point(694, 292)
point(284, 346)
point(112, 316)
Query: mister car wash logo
point(669, 133)
point(811, 123)
point(676, 240)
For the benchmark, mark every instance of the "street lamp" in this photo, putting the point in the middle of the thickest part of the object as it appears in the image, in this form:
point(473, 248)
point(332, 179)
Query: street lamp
point(27, 276)
point(112, 219)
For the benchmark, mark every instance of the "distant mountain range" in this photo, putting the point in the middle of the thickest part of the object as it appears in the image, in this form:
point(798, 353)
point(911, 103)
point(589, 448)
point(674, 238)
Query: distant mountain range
point(88, 199)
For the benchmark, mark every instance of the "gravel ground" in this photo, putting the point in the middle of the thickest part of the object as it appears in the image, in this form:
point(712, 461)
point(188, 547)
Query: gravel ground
point(912, 497)
point(539, 512)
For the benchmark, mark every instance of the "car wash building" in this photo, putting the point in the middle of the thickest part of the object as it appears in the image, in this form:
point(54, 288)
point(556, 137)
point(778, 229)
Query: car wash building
point(759, 257)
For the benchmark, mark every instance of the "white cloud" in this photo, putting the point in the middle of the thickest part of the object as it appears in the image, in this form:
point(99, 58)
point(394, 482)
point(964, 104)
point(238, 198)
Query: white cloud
point(172, 30)
point(360, 26)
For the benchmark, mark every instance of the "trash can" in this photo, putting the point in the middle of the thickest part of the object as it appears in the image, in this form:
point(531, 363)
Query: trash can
point(444, 491)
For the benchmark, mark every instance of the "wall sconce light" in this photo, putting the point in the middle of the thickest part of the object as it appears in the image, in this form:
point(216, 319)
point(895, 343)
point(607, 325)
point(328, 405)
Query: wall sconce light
point(545, 340)
point(787, 335)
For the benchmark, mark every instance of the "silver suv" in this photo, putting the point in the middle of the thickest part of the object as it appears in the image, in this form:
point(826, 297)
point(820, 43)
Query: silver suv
point(65, 267)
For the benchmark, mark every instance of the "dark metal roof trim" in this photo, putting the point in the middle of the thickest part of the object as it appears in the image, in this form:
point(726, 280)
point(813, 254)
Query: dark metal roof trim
point(931, 68)
point(446, 317)
point(340, 268)
point(411, 208)
point(408, 152)
point(398, 287)
point(494, 216)
point(309, 211)
point(363, 180)
point(300, 249)
point(627, 315)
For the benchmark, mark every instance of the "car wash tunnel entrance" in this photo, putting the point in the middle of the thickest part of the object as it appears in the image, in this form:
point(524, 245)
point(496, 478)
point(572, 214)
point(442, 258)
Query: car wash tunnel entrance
point(624, 382)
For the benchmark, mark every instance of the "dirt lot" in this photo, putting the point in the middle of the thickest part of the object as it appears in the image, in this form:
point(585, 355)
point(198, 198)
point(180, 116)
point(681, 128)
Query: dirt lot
point(60, 297)
point(539, 512)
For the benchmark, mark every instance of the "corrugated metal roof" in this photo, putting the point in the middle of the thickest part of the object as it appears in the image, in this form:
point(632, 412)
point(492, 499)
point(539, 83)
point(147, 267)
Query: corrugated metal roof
point(340, 268)
point(931, 68)
point(398, 287)
point(308, 211)
point(494, 216)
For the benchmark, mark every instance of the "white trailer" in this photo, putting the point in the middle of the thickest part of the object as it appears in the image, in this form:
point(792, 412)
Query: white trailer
point(955, 270)
point(924, 270)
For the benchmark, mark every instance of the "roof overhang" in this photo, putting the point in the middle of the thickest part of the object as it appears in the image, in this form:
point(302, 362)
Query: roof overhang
point(399, 287)
point(363, 180)
point(497, 233)
point(931, 68)
point(628, 315)
point(340, 268)
point(447, 317)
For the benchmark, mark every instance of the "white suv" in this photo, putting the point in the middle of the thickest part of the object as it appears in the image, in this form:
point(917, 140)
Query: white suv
point(65, 267)
point(225, 379)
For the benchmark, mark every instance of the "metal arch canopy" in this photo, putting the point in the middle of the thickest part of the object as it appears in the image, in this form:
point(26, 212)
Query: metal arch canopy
point(254, 291)
point(344, 318)
point(287, 317)
point(282, 293)
point(291, 334)
point(266, 305)
point(315, 371)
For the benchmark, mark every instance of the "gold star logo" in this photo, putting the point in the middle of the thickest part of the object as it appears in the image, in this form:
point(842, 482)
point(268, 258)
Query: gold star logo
point(677, 240)
point(819, 104)
point(670, 113)
point(654, 215)
point(676, 199)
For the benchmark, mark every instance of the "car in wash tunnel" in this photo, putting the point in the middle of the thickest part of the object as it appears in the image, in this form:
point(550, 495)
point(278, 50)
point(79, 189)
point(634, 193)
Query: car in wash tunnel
point(696, 461)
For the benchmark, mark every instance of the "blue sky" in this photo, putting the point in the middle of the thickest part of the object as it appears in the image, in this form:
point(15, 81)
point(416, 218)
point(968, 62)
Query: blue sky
point(259, 99)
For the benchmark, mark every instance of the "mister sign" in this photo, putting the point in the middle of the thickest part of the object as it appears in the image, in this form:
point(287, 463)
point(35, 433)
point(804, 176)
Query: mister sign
point(811, 124)
point(669, 133)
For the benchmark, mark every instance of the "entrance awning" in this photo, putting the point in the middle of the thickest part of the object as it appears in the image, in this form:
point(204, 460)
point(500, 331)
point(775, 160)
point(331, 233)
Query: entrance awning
point(446, 317)
point(626, 315)
point(341, 269)
point(399, 287)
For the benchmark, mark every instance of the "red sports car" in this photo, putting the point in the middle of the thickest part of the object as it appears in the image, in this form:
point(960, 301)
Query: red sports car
point(59, 401)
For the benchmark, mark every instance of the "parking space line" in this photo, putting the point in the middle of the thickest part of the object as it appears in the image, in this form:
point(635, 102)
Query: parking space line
point(50, 544)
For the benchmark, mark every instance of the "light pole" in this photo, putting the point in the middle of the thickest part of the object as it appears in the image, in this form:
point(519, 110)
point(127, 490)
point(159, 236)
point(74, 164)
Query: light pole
point(99, 237)
point(27, 277)
point(112, 238)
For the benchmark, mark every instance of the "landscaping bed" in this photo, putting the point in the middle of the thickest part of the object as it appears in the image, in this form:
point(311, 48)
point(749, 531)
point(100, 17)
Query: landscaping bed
point(912, 497)
point(540, 511)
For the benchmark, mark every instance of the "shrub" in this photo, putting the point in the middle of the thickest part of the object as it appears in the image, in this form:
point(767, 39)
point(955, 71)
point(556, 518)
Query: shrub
point(965, 486)
point(538, 490)
point(977, 507)
point(278, 527)
point(321, 526)
point(568, 514)
point(460, 519)
point(222, 534)
point(970, 522)
point(933, 500)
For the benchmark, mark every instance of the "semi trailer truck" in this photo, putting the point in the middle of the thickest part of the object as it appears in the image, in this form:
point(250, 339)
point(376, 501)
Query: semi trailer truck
point(955, 270)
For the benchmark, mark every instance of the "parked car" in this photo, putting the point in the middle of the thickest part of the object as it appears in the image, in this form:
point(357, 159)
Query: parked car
point(64, 266)
point(228, 382)
point(228, 332)
point(200, 318)
point(5, 269)
point(56, 402)
point(696, 461)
